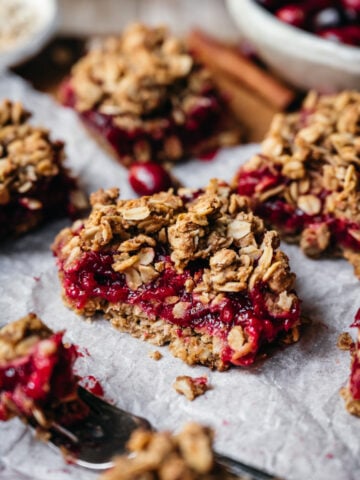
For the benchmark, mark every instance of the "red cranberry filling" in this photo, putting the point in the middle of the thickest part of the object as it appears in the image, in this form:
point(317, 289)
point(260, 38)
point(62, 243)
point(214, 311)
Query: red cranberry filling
point(202, 121)
point(291, 220)
point(44, 377)
point(93, 276)
point(355, 379)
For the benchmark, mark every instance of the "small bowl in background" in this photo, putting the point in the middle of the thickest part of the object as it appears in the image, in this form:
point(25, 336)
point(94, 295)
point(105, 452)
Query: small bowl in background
point(303, 59)
point(42, 18)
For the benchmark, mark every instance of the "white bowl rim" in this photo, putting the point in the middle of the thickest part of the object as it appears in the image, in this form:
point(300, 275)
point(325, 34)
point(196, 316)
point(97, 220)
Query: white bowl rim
point(318, 49)
point(35, 42)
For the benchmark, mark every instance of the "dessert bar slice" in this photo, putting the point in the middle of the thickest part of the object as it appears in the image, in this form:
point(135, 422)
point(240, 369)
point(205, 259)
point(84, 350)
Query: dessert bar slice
point(161, 455)
point(306, 180)
point(196, 270)
point(351, 393)
point(36, 374)
point(34, 184)
point(148, 98)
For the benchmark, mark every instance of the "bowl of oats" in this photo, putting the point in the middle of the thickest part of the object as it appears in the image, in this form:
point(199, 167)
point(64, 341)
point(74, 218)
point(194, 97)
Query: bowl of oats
point(25, 27)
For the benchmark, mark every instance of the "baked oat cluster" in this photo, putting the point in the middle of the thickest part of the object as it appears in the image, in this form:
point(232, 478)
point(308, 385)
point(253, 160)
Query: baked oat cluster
point(191, 387)
point(197, 270)
point(306, 179)
point(161, 455)
point(146, 95)
point(36, 374)
point(34, 185)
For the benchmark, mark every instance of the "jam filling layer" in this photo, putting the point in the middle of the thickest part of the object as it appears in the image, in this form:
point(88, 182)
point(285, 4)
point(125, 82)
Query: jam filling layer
point(202, 121)
point(41, 379)
point(290, 219)
point(166, 297)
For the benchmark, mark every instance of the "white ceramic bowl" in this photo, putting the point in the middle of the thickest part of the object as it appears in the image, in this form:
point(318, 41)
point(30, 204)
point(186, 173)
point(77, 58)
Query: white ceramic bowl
point(303, 59)
point(46, 14)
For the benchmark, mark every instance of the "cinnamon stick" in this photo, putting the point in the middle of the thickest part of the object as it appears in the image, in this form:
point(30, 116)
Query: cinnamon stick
point(220, 56)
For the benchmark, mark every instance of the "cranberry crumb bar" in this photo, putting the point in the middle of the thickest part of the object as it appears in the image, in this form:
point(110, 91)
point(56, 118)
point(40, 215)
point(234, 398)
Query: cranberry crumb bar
point(196, 270)
point(36, 374)
point(306, 180)
point(351, 393)
point(144, 93)
point(161, 455)
point(34, 185)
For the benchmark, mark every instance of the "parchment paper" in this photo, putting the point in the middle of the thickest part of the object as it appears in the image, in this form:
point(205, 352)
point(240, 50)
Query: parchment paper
point(284, 414)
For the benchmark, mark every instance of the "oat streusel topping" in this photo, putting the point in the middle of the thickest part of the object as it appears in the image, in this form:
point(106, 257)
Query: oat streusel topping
point(18, 338)
point(138, 74)
point(160, 455)
point(317, 149)
point(26, 154)
point(217, 227)
point(317, 152)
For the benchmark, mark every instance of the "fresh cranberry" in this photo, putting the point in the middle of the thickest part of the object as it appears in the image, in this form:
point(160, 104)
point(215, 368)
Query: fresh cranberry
point(352, 5)
point(294, 15)
point(349, 35)
point(149, 178)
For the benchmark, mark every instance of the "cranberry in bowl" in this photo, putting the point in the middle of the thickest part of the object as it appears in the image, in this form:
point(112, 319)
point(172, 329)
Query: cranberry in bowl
point(297, 44)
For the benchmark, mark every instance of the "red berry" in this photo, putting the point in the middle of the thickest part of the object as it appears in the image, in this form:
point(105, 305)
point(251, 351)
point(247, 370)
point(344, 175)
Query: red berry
point(149, 178)
point(294, 15)
point(352, 5)
point(349, 35)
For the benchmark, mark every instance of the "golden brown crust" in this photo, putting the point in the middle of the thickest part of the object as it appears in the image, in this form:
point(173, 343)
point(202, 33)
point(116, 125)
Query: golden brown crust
point(160, 455)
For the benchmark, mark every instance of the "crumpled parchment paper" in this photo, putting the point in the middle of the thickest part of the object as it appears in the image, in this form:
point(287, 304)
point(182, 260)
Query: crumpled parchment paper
point(284, 414)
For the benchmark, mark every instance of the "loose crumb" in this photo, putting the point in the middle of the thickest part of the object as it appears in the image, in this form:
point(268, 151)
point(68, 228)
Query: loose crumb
point(191, 387)
point(345, 341)
point(155, 355)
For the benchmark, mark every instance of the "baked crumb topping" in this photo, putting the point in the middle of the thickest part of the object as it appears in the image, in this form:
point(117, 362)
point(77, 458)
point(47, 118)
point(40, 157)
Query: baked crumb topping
point(26, 154)
point(138, 74)
point(307, 175)
point(345, 341)
point(191, 387)
point(214, 225)
point(317, 149)
point(155, 355)
point(19, 337)
point(160, 455)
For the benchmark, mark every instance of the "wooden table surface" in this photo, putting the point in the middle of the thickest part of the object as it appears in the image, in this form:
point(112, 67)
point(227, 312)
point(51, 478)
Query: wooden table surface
point(53, 64)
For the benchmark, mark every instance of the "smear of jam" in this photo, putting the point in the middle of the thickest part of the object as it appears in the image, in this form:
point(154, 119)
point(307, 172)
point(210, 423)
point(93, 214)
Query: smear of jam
point(93, 385)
